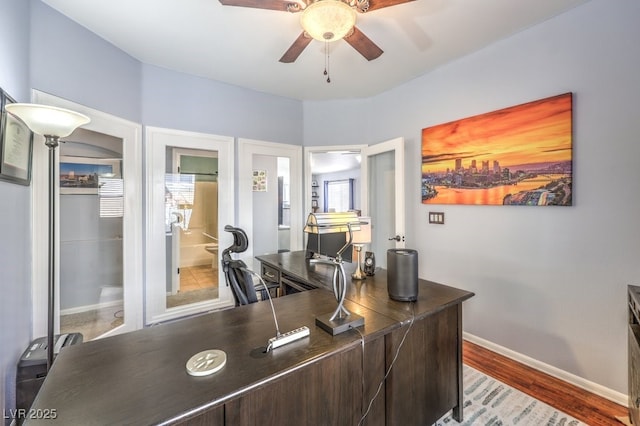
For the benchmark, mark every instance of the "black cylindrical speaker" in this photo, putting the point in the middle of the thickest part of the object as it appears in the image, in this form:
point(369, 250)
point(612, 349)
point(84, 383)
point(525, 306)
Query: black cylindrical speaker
point(402, 274)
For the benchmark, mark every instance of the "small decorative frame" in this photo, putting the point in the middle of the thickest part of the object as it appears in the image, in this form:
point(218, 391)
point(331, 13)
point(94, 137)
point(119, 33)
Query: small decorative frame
point(314, 203)
point(80, 175)
point(16, 146)
point(314, 194)
point(259, 181)
point(314, 183)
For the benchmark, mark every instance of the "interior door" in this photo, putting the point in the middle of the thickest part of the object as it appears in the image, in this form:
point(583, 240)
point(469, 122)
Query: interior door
point(190, 193)
point(258, 198)
point(194, 243)
point(100, 291)
point(383, 187)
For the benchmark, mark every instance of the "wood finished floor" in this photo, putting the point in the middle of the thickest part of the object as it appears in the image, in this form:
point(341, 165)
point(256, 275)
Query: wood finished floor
point(577, 402)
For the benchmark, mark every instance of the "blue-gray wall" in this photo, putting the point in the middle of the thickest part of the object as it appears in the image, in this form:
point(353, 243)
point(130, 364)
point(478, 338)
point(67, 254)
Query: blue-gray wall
point(178, 101)
point(550, 283)
point(15, 213)
point(70, 62)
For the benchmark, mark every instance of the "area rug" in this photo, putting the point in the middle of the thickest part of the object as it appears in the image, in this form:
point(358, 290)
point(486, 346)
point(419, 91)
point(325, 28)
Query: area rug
point(490, 402)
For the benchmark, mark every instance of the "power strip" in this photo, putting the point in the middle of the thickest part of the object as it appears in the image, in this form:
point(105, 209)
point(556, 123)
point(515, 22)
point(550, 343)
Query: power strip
point(288, 337)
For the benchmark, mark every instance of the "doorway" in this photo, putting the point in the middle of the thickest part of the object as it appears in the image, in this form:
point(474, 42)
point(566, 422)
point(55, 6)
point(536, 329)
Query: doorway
point(378, 182)
point(191, 203)
point(190, 193)
point(91, 206)
point(269, 197)
point(111, 230)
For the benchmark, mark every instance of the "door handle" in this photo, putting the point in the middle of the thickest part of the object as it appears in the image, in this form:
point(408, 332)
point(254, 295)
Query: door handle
point(396, 238)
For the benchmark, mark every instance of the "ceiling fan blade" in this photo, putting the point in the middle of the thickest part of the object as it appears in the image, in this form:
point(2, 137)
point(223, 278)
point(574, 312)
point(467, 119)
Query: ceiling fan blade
point(379, 4)
point(363, 44)
point(296, 48)
point(282, 5)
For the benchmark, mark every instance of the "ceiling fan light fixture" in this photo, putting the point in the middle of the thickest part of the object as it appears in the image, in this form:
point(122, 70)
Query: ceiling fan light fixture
point(328, 20)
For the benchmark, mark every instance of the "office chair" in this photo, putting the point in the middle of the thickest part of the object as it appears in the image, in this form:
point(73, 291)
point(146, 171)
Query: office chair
point(237, 274)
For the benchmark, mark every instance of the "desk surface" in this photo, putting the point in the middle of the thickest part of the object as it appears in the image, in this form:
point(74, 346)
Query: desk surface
point(372, 292)
point(140, 377)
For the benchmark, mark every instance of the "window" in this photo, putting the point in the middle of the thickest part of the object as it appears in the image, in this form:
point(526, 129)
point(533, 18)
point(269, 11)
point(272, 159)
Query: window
point(338, 195)
point(111, 193)
point(179, 194)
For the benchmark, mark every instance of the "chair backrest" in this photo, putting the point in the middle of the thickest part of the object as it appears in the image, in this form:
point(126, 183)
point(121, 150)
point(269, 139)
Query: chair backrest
point(236, 275)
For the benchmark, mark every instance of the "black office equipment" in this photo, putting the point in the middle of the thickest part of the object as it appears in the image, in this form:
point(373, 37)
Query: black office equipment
point(236, 273)
point(329, 245)
point(402, 274)
point(369, 263)
point(32, 366)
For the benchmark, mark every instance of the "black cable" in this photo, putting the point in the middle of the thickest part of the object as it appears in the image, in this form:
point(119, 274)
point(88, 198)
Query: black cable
point(362, 346)
point(395, 357)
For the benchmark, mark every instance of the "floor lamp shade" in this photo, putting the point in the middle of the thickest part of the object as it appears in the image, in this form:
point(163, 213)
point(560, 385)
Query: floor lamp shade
point(47, 120)
point(53, 123)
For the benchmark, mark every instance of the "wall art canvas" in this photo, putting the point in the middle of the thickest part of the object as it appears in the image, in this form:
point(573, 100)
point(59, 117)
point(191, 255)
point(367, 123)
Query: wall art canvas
point(521, 155)
point(80, 175)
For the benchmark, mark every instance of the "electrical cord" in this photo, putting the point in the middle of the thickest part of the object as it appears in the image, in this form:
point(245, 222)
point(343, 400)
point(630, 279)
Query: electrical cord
point(362, 384)
point(395, 357)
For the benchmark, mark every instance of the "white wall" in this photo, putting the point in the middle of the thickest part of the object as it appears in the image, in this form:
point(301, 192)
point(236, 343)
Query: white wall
point(550, 283)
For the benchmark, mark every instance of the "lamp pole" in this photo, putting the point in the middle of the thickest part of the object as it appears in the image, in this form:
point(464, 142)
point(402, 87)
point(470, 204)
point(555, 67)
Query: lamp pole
point(53, 123)
point(52, 143)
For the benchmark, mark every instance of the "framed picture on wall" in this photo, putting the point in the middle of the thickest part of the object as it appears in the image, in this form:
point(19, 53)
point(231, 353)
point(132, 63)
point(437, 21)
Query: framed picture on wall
point(16, 145)
point(80, 175)
point(259, 181)
point(520, 155)
point(314, 203)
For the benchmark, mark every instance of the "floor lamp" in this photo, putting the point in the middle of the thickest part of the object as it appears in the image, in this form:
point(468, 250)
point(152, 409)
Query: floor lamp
point(52, 123)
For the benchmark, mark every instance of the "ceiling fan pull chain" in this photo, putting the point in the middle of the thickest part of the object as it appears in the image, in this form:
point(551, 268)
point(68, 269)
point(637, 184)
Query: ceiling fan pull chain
point(326, 61)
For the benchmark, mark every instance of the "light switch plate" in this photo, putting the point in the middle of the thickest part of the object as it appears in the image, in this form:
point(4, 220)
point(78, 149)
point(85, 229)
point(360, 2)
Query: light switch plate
point(436, 217)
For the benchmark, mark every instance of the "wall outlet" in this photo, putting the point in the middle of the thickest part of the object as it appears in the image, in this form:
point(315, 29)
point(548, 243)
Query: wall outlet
point(436, 217)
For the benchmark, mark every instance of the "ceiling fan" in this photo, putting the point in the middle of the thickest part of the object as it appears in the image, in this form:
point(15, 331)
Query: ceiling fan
point(324, 20)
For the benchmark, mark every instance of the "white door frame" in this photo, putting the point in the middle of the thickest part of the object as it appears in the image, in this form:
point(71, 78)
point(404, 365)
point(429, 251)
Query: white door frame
point(157, 141)
point(397, 146)
point(247, 148)
point(131, 135)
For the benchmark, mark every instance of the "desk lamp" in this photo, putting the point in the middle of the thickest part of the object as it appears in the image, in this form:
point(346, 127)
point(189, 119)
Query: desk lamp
point(360, 238)
point(52, 123)
point(341, 319)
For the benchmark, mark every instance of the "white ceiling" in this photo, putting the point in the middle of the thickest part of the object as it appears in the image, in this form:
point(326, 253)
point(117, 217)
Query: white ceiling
point(242, 46)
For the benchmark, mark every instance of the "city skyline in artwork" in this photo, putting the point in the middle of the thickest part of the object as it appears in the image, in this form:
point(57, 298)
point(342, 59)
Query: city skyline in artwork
point(521, 155)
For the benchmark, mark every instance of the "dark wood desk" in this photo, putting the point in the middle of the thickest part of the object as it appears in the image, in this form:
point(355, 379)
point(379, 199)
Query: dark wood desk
point(426, 379)
point(140, 377)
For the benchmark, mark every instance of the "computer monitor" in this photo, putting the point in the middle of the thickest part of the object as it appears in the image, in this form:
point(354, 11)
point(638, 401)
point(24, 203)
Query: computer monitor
point(328, 245)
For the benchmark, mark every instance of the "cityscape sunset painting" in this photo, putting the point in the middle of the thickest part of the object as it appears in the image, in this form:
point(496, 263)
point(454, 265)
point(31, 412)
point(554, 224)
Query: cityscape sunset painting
point(520, 155)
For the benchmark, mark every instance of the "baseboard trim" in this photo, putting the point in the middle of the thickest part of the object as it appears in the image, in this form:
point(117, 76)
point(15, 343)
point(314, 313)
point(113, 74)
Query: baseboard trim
point(595, 388)
point(85, 308)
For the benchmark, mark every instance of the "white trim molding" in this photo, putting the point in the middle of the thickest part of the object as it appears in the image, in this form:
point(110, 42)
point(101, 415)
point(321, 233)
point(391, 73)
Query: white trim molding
point(595, 388)
point(131, 135)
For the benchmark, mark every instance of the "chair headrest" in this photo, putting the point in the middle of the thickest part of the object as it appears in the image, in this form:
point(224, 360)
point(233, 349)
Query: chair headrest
point(240, 240)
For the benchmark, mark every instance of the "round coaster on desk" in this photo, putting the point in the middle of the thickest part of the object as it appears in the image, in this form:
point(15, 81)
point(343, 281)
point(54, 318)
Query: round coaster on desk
point(206, 362)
